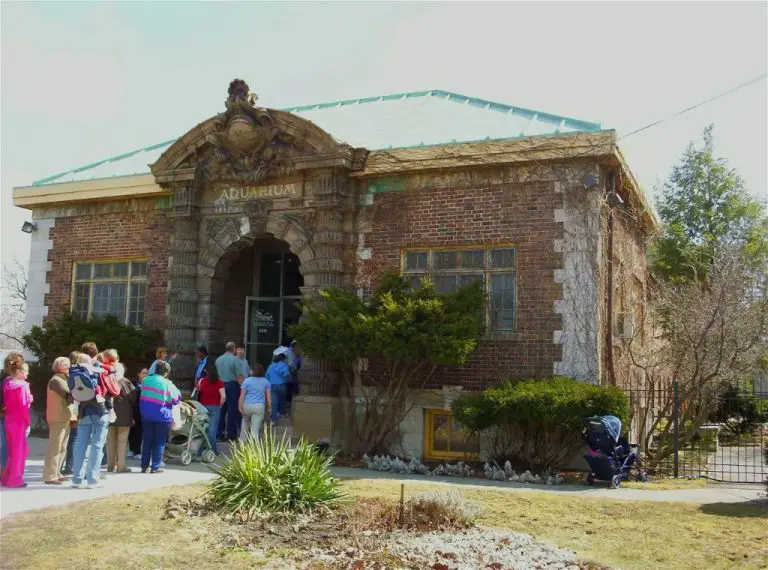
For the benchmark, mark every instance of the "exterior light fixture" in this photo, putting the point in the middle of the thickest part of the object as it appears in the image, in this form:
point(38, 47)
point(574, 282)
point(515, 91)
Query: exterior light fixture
point(28, 227)
point(611, 196)
point(614, 200)
point(590, 181)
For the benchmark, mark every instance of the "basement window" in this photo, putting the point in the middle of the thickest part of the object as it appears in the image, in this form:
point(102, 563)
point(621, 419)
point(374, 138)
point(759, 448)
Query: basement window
point(446, 438)
point(113, 287)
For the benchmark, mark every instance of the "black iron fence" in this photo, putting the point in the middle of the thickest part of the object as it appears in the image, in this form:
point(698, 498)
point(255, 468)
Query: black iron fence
point(721, 437)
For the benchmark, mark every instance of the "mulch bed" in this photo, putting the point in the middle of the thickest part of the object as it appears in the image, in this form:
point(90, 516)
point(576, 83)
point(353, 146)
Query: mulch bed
point(365, 535)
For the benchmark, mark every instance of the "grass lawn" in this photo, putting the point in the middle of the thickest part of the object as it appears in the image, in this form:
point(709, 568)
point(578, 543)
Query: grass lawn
point(128, 531)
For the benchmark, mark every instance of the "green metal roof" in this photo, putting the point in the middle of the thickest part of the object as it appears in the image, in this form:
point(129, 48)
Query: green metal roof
point(401, 120)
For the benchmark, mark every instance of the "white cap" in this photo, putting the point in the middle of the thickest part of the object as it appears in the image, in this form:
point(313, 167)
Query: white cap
point(279, 350)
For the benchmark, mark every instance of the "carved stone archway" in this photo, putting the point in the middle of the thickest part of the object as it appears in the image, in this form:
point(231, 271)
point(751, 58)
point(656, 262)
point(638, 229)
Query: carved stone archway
point(247, 173)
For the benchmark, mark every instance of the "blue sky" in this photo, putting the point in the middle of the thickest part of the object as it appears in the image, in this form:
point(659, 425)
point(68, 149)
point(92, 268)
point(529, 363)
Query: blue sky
point(83, 81)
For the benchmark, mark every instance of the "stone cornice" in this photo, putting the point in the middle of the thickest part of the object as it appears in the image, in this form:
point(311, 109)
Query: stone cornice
point(488, 153)
point(97, 190)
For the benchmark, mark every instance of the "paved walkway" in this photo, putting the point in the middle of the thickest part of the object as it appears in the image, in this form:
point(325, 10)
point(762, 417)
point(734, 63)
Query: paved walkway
point(38, 495)
point(715, 493)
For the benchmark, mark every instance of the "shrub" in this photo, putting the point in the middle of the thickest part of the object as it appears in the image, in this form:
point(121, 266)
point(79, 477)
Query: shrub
point(536, 424)
point(440, 511)
point(740, 411)
point(412, 330)
point(269, 477)
point(68, 332)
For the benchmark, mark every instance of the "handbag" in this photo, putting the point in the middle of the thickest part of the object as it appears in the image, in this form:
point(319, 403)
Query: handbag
point(176, 412)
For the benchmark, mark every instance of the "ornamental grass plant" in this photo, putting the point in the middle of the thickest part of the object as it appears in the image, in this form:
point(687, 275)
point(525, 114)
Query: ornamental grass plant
point(269, 476)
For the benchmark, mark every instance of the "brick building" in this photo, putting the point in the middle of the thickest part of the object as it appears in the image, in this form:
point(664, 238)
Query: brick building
point(215, 235)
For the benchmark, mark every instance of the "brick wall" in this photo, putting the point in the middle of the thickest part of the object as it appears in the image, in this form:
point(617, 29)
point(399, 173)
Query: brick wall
point(520, 213)
point(115, 235)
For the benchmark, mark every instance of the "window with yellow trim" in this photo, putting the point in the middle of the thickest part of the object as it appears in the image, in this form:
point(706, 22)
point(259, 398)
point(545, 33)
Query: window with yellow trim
point(452, 269)
point(444, 436)
point(116, 288)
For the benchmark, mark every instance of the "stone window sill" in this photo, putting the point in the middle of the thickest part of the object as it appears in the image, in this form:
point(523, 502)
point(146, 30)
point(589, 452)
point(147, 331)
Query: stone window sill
point(512, 336)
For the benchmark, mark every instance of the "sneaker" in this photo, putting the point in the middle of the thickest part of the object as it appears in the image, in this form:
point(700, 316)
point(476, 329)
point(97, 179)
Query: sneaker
point(95, 485)
point(55, 482)
point(144, 469)
point(124, 470)
point(162, 464)
point(67, 472)
point(159, 470)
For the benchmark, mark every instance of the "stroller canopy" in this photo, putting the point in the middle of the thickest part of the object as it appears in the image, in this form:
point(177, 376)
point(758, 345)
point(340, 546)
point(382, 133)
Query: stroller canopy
point(612, 426)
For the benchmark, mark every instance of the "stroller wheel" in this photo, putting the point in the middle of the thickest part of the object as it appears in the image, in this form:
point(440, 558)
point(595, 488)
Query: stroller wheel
point(185, 458)
point(590, 479)
point(208, 456)
point(615, 481)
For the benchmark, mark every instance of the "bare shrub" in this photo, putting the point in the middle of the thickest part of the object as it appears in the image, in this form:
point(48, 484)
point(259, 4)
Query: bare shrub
point(440, 511)
point(708, 336)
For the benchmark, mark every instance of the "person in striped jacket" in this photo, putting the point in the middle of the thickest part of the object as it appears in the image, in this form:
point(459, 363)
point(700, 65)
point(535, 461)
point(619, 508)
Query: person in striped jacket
point(158, 397)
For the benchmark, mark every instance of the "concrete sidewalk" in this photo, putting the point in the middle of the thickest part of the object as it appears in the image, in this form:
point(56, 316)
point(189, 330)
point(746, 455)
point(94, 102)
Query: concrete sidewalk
point(37, 495)
point(714, 493)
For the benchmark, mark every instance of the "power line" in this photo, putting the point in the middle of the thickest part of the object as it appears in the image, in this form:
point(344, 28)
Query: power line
point(723, 94)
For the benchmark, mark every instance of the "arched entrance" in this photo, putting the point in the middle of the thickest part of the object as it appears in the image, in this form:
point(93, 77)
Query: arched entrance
point(257, 295)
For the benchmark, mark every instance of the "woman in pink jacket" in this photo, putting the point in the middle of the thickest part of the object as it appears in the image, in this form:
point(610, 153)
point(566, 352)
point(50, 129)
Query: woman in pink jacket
point(17, 399)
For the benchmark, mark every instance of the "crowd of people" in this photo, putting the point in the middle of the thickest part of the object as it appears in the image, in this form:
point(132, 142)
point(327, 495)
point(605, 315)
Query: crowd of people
point(98, 417)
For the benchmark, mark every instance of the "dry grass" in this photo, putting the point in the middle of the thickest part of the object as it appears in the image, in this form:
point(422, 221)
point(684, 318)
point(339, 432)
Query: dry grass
point(618, 533)
point(129, 531)
point(667, 484)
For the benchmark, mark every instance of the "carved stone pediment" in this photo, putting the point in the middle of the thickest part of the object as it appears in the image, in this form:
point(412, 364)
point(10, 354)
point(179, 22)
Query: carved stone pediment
point(249, 145)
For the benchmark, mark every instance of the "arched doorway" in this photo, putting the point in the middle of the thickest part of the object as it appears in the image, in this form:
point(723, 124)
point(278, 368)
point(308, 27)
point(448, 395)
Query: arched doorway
point(257, 297)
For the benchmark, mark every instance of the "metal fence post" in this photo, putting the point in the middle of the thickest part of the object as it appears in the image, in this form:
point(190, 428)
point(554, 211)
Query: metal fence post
point(676, 426)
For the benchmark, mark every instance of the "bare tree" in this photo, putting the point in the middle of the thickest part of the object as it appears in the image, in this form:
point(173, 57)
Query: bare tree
point(706, 336)
point(14, 304)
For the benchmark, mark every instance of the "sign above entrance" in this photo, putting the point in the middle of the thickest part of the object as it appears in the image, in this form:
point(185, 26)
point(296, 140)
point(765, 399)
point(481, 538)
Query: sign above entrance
point(292, 190)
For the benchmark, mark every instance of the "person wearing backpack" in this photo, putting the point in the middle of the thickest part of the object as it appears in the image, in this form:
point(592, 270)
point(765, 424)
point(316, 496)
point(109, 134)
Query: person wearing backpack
point(93, 420)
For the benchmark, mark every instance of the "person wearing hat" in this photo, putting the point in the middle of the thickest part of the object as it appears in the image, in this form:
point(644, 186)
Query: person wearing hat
point(279, 375)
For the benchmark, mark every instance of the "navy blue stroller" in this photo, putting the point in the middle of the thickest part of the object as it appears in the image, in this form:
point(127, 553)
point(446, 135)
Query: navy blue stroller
point(610, 456)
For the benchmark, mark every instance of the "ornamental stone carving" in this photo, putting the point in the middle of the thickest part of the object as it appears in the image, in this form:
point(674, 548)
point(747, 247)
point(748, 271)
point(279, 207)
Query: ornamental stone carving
point(248, 145)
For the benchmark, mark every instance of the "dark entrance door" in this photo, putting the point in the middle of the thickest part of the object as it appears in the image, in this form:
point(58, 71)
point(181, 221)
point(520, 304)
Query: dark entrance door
point(275, 308)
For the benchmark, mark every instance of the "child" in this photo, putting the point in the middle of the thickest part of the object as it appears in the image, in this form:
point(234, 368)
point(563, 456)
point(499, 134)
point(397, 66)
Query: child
point(17, 399)
point(162, 356)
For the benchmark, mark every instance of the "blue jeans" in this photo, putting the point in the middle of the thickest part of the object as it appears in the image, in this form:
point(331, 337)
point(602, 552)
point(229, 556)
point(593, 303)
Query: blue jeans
point(154, 436)
point(213, 416)
point(279, 392)
point(232, 391)
point(3, 445)
point(91, 435)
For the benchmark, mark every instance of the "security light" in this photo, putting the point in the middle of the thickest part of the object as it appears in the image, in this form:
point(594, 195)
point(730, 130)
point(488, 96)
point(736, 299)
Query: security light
point(590, 181)
point(614, 200)
point(28, 227)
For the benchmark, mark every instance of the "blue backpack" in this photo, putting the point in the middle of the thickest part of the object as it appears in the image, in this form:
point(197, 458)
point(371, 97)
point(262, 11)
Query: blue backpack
point(82, 383)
